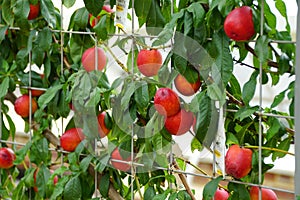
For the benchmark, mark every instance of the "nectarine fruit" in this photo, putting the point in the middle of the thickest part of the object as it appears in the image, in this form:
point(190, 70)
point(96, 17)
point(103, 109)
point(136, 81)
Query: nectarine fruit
point(118, 165)
point(179, 123)
point(22, 106)
point(266, 194)
point(166, 102)
point(186, 88)
point(7, 158)
point(238, 161)
point(239, 25)
point(71, 138)
point(149, 62)
point(88, 59)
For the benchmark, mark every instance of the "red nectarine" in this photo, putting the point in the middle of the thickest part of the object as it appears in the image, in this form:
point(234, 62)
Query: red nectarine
point(88, 59)
point(71, 138)
point(166, 102)
point(7, 158)
point(221, 194)
point(22, 106)
point(238, 161)
point(186, 88)
point(179, 123)
point(239, 25)
point(34, 11)
point(118, 165)
point(149, 62)
point(267, 194)
point(103, 130)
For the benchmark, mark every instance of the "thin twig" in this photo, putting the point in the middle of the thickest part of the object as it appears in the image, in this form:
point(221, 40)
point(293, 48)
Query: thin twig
point(235, 100)
point(184, 181)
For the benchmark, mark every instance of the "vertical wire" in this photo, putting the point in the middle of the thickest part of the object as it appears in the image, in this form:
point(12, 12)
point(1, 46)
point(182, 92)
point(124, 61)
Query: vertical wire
point(260, 107)
point(132, 126)
point(171, 150)
point(297, 108)
point(30, 110)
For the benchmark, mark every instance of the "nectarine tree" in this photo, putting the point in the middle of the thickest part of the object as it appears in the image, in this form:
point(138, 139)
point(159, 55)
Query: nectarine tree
point(174, 77)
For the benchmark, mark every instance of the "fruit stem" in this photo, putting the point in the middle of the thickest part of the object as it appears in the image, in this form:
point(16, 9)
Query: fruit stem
point(116, 59)
point(270, 149)
point(139, 187)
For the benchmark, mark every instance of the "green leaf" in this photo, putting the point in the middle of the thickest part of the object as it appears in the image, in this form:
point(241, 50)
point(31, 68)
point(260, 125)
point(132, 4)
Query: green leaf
point(48, 12)
point(41, 179)
point(149, 193)
point(21, 153)
point(270, 17)
point(231, 139)
point(223, 56)
point(210, 188)
point(284, 63)
point(166, 34)
point(72, 189)
point(104, 184)
point(196, 145)
point(155, 21)
point(249, 88)
point(239, 191)
point(198, 13)
point(275, 126)
point(93, 6)
point(100, 28)
point(262, 48)
point(187, 23)
point(141, 94)
point(245, 112)
point(81, 17)
point(285, 146)
point(183, 195)
point(7, 12)
point(142, 8)
point(216, 93)
point(21, 9)
point(69, 3)
point(278, 99)
point(4, 87)
point(84, 164)
point(103, 162)
point(281, 7)
point(48, 95)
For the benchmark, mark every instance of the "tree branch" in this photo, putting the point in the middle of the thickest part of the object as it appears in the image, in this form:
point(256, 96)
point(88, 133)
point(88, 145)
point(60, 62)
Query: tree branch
point(184, 181)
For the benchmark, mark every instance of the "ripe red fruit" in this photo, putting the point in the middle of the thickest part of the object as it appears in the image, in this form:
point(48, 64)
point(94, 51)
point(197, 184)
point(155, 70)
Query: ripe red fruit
point(221, 194)
point(118, 165)
point(179, 123)
point(36, 93)
point(103, 130)
point(89, 57)
point(166, 102)
point(22, 105)
point(239, 25)
point(7, 158)
point(34, 11)
point(267, 194)
point(186, 88)
point(149, 62)
point(71, 138)
point(238, 161)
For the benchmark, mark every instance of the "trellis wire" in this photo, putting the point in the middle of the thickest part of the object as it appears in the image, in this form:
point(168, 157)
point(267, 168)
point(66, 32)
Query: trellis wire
point(297, 108)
